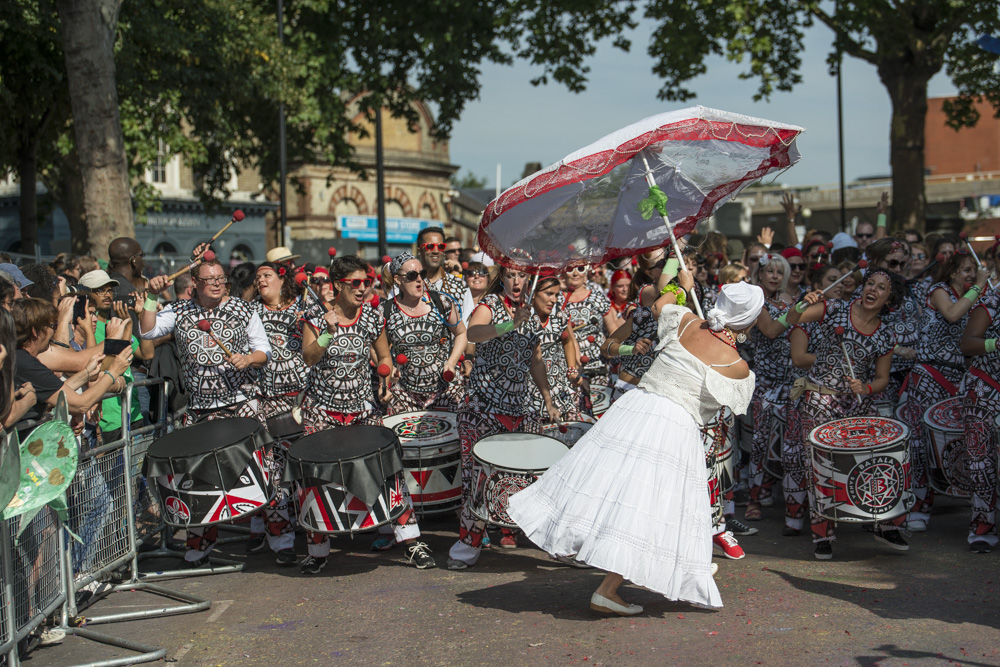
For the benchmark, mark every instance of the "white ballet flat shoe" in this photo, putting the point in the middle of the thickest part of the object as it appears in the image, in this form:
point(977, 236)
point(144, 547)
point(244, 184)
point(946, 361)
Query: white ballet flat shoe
point(604, 605)
point(715, 568)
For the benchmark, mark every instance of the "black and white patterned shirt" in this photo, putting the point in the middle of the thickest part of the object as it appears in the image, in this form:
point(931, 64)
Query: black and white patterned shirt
point(499, 378)
point(426, 341)
point(287, 370)
point(587, 316)
point(554, 355)
point(341, 381)
point(830, 368)
point(643, 326)
point(939, 338)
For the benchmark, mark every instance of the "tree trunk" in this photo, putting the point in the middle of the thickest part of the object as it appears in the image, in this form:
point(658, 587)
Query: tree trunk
point(88, 30)
point(907, 88)
point(27, 168)
point(65, 185)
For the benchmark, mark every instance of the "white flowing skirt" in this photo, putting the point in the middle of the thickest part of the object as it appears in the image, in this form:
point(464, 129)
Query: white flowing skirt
point(631, 497)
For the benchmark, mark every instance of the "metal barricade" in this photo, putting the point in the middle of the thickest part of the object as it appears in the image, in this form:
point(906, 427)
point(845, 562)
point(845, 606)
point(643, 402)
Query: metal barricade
point(103, 510)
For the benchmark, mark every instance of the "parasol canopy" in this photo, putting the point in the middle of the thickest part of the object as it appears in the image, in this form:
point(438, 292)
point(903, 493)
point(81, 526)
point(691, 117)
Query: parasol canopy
point(586, 207)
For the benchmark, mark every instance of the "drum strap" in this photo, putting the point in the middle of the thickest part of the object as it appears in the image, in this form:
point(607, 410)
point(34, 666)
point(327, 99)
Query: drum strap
point(941, 379)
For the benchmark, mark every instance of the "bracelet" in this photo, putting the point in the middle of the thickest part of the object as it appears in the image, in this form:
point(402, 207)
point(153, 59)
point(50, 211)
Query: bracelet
point(676, 290)
point(990, 344)
point(971, 295)
point(149, 303)
point(504, 327)
point(880, 221)
point(869, 388)
point(110, 375)
point(626, 350)
point(783, 320)
point(323, 340)
point(979, 290)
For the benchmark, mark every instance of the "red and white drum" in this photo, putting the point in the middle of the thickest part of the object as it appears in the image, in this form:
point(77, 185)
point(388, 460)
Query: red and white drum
point(719, 437)
point(567, 432)
point(504, 464)
point(772, 462)
point(348, 479)
point(432, 458)
point(861, 469)
point(600, 398)
point(212, 472)
point(944, 422)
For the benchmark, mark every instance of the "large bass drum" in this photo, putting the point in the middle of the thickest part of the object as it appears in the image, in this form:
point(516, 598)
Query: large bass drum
point(944, 422)
point(432, 457)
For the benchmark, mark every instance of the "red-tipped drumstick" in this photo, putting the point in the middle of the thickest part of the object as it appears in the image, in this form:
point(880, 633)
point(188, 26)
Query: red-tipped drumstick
point(584, 359)
point(332, 252)
point(237, 216)
point(384, 370)
point(207, 256)
point(401, 359)
point(591, 338)
point(862, 264)
point(206, 326)
point(840, 334)
point(448, 376)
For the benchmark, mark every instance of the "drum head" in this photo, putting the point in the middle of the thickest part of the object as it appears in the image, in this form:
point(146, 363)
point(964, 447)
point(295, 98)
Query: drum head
point(429, 428)
point(857, 433)
point(203, 437)
point(519, 451)
point(342, 444)
point(574, 431)
point(946, 415)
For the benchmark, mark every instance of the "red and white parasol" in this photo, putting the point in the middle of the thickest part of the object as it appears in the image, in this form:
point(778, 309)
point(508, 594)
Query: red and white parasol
point(585, 209)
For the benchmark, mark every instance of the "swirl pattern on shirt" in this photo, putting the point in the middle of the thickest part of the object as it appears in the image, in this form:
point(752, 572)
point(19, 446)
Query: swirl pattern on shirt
point(286, 372)
point(498, 380)
point(772, 357)
point(643, 326)
point(588, 321)
point(426, 342)
point(939, 338)
point(341, 381)
point(550, 339)
point(830, 369)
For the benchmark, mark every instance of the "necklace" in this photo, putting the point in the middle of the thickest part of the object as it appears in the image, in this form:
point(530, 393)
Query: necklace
point(729, 339)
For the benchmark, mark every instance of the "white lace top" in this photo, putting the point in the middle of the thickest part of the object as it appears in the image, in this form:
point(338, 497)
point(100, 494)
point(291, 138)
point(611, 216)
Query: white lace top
point(684, 379)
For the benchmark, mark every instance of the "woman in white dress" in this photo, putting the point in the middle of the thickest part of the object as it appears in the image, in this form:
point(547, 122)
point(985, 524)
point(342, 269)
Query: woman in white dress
point(630, 497)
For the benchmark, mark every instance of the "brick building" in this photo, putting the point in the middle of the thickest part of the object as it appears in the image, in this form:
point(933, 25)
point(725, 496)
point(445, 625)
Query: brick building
point(966, 151)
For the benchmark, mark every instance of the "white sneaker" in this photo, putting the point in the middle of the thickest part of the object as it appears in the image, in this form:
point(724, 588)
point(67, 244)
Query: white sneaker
point(52, 636)
point(916, 526)
point(602, 604)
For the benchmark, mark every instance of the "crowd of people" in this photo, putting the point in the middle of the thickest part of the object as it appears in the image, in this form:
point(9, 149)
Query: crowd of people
point(831, 326)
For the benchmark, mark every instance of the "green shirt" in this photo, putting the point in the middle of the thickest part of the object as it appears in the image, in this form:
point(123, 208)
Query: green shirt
point(111, 408)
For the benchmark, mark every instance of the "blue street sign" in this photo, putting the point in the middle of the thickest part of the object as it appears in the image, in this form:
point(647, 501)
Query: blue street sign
point(398, 230)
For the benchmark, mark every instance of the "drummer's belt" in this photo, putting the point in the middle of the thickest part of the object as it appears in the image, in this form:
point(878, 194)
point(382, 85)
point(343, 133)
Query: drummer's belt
point(802, 385)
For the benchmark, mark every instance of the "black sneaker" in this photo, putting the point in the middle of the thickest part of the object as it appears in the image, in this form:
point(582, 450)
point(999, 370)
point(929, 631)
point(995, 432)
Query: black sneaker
point(418, 554)
point(195, 564)
point(788, 531)
point(980, 547)
point(824, 550)
point(286, 557)
point(893, 539)
point(256, 544)
point(313, 565)
point(741, 497)
point(737, 527)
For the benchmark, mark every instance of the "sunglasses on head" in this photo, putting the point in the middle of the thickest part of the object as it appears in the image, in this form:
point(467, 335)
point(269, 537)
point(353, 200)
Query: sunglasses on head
point(431, 247)
point(356, 282)
point(410, 276)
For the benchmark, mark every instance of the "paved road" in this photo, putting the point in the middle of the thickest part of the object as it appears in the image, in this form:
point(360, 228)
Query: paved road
point(870, 606)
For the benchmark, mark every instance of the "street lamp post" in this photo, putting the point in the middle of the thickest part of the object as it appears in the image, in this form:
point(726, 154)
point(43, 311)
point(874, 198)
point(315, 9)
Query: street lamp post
point(282, 148)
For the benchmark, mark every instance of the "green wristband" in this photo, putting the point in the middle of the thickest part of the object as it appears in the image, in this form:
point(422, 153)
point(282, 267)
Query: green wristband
point(880, 221)
point(783, 320)
point(323, 340)
point(672, 267)
point(802, 306)
point(971, 295)
point(504, 327)
point(111, 375)
point(626, 350)
point(990, 344)
point(150, 303)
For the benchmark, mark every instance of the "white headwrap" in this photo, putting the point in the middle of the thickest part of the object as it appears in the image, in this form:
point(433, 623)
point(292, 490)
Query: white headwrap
point(737, 307)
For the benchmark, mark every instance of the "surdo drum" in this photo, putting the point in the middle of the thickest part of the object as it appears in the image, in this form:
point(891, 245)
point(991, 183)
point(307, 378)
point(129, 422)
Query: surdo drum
point(946, 430)
point(862, 469)
point(504, 464)
point(719, 436)
point(212, 472)
point(573, 431)
point(772, 462)
point(600, 398)
point(348, 479)
point(432, 458)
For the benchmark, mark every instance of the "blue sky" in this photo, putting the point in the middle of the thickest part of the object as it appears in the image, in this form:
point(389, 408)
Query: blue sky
point(513, 122)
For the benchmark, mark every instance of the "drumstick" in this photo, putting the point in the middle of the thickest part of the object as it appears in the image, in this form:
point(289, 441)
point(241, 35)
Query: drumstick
point(237, 216)
point(939, 259)
point(302, 280)
point(862, 264)
point(965, 237)
point(207, 256)
point(206, 326)
point(847, 358)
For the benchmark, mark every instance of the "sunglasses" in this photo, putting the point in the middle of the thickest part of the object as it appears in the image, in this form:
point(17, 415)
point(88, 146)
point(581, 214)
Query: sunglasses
point(356, 282)
point(453, 251)
point(753, 259)
point(411, 276)
point(895, 264)
point(796, 266)
point(476, 274)
point(577, 269)
point(431, 247)
point(864, 236)
point(919, 256)
point(319, 281)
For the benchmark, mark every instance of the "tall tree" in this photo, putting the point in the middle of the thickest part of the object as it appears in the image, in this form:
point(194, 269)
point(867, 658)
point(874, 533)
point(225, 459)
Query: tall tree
point(908, 42)
point(88, 30)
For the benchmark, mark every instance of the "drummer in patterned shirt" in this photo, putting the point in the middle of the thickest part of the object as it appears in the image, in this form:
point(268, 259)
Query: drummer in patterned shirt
point(426, 338)
point(431, 248)
point(337, 345)
point(219, 386)
point(593, 317)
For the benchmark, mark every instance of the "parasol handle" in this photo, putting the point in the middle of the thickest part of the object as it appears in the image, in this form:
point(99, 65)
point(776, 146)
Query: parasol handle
point(972, 250)
point(531, 292)
point(673, 239)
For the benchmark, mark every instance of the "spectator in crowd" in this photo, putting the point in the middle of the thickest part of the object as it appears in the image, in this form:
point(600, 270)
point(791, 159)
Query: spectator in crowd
point(87, 263)
point(430, 251)
point(14, 273)
point(912, 236)
point(45, 284)
point(5, 258)
point(66, 264)
point(8, 291)
point(864, 232)
point(15, 400)
point(183, 287)
point(241, 281)
point(125, 264)
point(452, 255)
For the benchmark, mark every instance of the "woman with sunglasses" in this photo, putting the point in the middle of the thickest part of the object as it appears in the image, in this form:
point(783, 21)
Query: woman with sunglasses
point(939, 367)
point(593, 317)
point(337, 347)
point(919, 259)
point(981, 407)
point(497, 398)
point(280, 383)
point(559, 352)
point(426, 338)
point(773, 366)
point(796, 285)
point(828, 392)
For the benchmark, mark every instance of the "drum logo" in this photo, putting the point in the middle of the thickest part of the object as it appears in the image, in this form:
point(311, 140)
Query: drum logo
point(876, 484)
point(422, 428)
point(178, 510)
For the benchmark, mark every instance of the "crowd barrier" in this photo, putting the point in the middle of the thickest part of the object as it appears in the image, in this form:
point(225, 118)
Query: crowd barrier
point(46, 574)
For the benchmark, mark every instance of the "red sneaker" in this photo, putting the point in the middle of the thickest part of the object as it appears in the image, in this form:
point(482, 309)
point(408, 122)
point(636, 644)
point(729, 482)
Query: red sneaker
point(727, 544)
